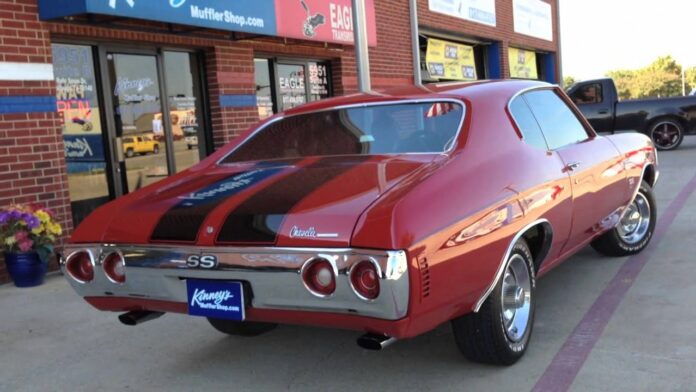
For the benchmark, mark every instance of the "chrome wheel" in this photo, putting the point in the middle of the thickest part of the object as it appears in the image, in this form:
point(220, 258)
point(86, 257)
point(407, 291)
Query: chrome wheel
point(636, 220)
point(516, 298)
point(666, 135)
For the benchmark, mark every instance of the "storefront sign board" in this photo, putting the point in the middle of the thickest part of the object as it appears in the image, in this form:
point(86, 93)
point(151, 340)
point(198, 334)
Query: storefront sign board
point(533, 18)
point(480, 11)
point(522, 63)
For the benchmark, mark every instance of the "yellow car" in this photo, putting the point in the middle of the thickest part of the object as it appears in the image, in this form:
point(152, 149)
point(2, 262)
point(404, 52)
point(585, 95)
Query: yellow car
point(139, 145)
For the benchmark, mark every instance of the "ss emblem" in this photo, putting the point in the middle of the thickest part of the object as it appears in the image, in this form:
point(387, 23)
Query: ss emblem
point(203, 261)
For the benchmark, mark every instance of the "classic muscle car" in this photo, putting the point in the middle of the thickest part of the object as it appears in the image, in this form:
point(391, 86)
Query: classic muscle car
point(387, 213)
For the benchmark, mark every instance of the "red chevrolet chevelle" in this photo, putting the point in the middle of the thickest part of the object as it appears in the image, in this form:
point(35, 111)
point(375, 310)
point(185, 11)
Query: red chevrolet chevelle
point(387, 213)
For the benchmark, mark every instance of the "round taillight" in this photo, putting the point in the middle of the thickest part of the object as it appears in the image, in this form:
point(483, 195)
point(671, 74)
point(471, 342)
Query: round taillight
point(80, 266)
point(115, 267)
point(364, 279)
point(319, 278)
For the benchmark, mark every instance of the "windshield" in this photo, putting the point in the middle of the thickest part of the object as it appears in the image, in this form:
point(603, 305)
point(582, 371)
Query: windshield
point(429, 127)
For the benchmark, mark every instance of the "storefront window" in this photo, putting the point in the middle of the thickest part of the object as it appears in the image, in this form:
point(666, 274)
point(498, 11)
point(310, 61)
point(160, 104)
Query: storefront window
point(183, 89)
point(285, 84)
point(139, 118)
point(319, 81)
point(78, 105)
point(291, 85)
point(264, 90)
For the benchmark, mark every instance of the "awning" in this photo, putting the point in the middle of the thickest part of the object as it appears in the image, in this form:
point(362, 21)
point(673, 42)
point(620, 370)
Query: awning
point(314, 20)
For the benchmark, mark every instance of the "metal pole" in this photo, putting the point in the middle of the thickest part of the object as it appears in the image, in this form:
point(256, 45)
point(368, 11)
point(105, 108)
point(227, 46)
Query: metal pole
point(415, 45)
point(683, 81)
point(559, 55)
point(362, 57)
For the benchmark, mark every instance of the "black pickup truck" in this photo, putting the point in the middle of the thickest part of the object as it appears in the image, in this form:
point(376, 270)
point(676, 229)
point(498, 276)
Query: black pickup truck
point(665, 120)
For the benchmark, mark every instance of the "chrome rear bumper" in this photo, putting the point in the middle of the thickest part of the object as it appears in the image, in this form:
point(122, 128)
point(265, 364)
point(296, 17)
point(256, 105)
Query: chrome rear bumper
point(273, 274)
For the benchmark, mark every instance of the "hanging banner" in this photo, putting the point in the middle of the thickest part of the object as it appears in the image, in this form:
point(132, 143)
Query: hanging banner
point(522, 63)
point(315, 20)
point(480, 11)
point(448, 60)
point(533, 18)
point(322, 20)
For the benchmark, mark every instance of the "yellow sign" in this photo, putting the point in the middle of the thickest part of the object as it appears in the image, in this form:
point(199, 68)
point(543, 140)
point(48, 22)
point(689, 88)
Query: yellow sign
point(447, 60)
point(522, 63)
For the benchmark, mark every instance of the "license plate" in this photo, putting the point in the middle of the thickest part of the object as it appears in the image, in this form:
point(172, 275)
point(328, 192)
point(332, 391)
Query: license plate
point(214, 298)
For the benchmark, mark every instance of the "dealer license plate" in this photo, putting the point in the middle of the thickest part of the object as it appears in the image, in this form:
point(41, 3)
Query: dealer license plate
point(215, 298)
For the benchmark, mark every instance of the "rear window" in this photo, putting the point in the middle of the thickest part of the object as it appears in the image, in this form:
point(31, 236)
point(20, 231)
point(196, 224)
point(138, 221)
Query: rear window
point(406, 128)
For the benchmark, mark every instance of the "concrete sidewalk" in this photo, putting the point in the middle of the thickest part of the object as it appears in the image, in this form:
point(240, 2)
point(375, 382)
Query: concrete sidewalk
point(50, 340)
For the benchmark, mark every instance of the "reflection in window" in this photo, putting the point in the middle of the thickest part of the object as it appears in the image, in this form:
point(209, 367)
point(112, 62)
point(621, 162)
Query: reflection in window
point(558, 123)
point(527, 124)
point(78, 105)
point(385, 129)
point(184, 101)
point(264, 92)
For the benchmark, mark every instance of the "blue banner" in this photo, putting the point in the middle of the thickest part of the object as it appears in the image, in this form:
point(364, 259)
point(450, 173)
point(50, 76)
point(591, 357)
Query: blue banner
point(217, 299)
point(250, 16)
point(84, 148)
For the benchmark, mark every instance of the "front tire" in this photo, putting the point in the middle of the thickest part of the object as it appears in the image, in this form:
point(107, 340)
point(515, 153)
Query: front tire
point(666, 134)
point(499, 332)
point(241, 328)
point(635, 230)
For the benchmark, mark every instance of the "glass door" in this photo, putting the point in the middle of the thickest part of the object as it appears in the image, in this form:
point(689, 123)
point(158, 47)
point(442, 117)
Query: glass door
point(142, 126)
point(183, 83)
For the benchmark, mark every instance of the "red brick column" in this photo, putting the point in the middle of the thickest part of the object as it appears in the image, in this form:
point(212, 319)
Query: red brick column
point(32, 158)
point(232, 89)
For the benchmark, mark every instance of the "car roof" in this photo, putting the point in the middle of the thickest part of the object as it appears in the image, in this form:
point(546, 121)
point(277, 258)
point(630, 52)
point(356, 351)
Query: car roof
point(450, 90)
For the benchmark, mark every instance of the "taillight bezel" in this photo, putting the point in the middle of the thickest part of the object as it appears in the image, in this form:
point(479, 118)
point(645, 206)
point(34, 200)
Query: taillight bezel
point(71, 260)
point(306, 268)
point(377, 270)
point(106, 271)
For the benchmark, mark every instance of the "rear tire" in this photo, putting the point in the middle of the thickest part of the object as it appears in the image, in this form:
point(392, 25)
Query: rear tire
point(241, 328)
point(495, 335)
point(635, 230)
point(130, 153)
point(666, 134)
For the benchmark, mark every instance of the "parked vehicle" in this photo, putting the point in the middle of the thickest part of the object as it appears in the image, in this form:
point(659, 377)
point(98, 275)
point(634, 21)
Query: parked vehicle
point(388, 214)
point(139, 145)
point(665, 120)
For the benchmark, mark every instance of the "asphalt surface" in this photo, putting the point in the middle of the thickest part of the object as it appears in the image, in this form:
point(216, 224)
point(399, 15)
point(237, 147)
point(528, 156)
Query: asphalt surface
point(50, 340)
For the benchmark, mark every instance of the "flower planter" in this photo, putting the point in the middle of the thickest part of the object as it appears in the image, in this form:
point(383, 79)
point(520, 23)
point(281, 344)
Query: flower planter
point(25, 268)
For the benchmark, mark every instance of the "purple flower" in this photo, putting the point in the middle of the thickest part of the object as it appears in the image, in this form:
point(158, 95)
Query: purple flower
point(4, 217)
point(15, 215)
point(31, 221)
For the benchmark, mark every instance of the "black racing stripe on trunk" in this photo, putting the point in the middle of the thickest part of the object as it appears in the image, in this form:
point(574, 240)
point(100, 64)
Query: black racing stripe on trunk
point(258, 219)
point(183, 221)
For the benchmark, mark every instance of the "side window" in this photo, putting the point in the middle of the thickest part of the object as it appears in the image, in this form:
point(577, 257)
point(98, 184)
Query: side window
point(527, 123)
point(558, 123)
point(589, 94)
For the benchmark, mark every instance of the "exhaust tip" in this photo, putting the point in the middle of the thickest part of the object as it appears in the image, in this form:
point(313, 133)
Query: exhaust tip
point(375, 342)
point(138, 317)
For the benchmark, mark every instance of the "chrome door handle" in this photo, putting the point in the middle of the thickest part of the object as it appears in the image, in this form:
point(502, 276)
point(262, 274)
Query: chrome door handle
point(572, 166)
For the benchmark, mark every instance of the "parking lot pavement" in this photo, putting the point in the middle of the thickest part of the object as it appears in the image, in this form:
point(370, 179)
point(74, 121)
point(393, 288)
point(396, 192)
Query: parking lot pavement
point(51, 340)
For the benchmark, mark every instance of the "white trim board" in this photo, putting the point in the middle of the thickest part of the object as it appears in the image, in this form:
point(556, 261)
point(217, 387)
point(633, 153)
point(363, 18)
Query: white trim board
point(26, 71)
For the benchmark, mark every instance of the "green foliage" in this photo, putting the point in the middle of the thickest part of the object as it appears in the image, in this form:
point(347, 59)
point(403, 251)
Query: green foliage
point(662, 78)
point(568, 81)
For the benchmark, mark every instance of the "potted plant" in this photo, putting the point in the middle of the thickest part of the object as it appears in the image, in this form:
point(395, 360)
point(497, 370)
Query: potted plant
point(27, 233)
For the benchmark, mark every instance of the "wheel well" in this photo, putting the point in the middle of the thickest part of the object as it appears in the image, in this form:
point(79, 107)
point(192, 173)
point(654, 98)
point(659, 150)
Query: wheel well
point(539, 238)
point(649, 175)
point(668, 117)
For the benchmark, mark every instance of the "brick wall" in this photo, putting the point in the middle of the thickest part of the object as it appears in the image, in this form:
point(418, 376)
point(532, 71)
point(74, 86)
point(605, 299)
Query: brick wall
point(32, 163)
point(504, 30)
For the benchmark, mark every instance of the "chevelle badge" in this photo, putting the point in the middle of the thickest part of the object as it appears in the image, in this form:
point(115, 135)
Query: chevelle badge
point(217, 299)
